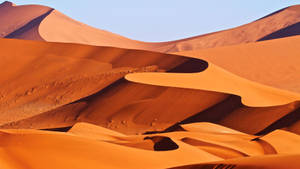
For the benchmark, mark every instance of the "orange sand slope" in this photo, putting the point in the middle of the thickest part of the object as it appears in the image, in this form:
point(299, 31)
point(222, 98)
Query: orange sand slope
point(85, 145)
point(43, 23)
point(274, 104)
point(93, 92)
point(25, 106)
point(216, 79)
point(59, 74)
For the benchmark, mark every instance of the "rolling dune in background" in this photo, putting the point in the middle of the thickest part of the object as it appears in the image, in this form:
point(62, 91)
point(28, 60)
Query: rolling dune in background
point(47, 24)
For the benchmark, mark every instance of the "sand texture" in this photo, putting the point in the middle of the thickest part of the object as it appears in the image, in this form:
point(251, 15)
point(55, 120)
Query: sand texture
point(76, 97)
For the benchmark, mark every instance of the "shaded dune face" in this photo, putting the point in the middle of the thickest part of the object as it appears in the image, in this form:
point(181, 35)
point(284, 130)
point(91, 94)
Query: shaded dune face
point(162, 143)
point(233, 114)
point(30, 30)
point(128, 115)
point(41, 23)
point(22, 22)
point(258, 116)
point(111, 64)
point(291, 30)
point(218, 150)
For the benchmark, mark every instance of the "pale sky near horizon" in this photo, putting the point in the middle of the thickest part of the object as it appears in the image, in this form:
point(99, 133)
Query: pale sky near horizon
point(164, 20)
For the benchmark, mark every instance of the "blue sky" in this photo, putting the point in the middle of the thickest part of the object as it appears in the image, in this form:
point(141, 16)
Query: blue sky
point(164, 20)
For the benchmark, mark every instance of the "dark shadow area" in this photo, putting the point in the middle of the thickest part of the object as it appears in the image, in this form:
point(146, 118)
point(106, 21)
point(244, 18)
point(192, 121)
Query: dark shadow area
point(212, 114)
point(285, 121)
point(267, 147)
point(152, 132)
point(99, 93)
point(190, 66)
point(292, 30)
point(62, 129)
point(162, 143)
point(225, 153)
point(179, 128)
point(207, 166)
point(28, 26)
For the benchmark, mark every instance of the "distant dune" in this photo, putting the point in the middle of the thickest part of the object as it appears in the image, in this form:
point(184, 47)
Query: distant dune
point(73, 96)
point(47, 24)
point(22, 21)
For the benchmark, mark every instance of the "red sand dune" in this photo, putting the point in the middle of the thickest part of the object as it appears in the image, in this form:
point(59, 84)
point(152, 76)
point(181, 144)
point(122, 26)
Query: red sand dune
point(274, 63)
point(267, 104)
point(51, 68)
point(134, 108)
point(120, 104)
